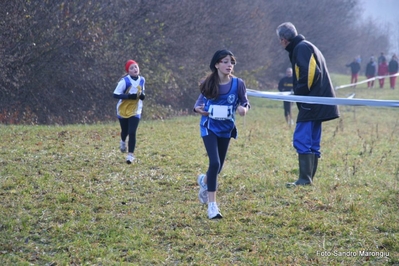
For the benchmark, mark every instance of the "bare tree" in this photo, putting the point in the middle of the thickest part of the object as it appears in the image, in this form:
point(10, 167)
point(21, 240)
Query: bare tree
point(61, 60)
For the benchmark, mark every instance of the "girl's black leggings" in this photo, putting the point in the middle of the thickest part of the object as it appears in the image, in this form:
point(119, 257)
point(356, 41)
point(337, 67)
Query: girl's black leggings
point(129, 128)
point(217, 149)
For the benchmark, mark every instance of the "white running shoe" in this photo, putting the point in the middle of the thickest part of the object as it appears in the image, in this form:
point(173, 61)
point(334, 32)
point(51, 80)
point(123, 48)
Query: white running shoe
point(122, 146)
point(214, 212)
point(130, 158)
point(203, 190)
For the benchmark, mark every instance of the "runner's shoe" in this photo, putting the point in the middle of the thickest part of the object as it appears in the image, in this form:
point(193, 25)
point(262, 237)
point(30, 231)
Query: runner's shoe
point(130, 158)
point(203, 190)
point(214, 212)
point(122, 146)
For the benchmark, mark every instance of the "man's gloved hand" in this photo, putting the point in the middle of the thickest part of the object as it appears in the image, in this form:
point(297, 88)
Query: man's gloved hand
point(142, 97)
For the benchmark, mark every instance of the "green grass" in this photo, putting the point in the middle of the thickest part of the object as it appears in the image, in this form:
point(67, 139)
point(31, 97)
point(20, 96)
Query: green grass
point(68, 197)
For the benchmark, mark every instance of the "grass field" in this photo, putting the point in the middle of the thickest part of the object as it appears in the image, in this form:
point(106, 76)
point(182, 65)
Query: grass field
point(69, 198)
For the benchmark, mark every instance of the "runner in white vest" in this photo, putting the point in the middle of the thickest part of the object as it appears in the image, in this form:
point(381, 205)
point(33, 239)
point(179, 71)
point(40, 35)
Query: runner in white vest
point(131, 92)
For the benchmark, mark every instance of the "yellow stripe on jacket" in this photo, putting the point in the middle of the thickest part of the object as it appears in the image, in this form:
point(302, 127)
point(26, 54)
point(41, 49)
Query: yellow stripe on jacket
point(311, 71)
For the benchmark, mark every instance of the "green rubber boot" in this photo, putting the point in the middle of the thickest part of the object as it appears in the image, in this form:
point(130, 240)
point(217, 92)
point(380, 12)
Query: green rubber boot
point(306, 170)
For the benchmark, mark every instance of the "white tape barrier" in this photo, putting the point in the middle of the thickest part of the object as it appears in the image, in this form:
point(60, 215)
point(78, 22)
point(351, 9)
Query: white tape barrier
point(367, 80)
point(288, 97)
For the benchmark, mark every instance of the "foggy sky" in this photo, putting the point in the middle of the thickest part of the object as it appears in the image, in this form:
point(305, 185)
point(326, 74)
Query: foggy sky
point(382, 10)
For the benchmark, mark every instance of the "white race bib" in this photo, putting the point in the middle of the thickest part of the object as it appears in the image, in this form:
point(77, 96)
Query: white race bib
point(220, 111)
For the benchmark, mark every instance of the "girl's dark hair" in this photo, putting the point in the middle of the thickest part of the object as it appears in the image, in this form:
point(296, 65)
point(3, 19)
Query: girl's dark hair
point(210, 87)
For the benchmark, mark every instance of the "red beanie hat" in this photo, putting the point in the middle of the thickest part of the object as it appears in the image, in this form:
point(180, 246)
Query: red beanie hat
point(128, 63)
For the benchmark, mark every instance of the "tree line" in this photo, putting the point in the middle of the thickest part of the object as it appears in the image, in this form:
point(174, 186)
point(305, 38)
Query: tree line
point(61, 60)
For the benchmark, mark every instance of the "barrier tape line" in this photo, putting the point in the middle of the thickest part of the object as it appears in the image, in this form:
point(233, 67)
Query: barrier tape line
point(367, 80)
point(281, 96)
point(350, 100)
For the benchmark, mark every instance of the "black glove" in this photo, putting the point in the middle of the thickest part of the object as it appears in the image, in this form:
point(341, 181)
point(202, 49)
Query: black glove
point(132, 96)
point(142, 97)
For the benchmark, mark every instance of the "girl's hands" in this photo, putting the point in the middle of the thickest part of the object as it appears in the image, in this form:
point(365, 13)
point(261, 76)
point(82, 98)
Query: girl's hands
point(200, 110)
point(242, 110)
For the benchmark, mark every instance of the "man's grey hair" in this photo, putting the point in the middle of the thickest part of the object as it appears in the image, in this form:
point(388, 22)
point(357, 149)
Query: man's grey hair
point(287, 31)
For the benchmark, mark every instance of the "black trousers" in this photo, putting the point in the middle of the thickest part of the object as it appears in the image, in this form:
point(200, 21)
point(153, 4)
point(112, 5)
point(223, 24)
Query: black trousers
point(129, 128)
point(216, 148)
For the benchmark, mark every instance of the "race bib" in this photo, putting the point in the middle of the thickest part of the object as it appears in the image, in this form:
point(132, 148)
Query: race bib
point(220, 111)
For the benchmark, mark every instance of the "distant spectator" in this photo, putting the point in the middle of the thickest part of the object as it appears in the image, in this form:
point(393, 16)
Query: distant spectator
point(355, 68)
point(393, 69)
point(382, 72)
point(371, 70)
point(381, 57)
point(359, 59)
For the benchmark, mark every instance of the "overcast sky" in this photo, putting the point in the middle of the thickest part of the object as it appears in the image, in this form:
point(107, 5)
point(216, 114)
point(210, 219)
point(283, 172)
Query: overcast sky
point(385, 11)
point(382, 10)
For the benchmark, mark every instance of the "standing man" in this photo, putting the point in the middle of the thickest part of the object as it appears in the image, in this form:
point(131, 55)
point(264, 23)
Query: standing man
point(382, 72)
point(381, 58)
point(285, 84)
point(371, 72)
point(393, 68)
point(355, 68)
point(311, 78)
